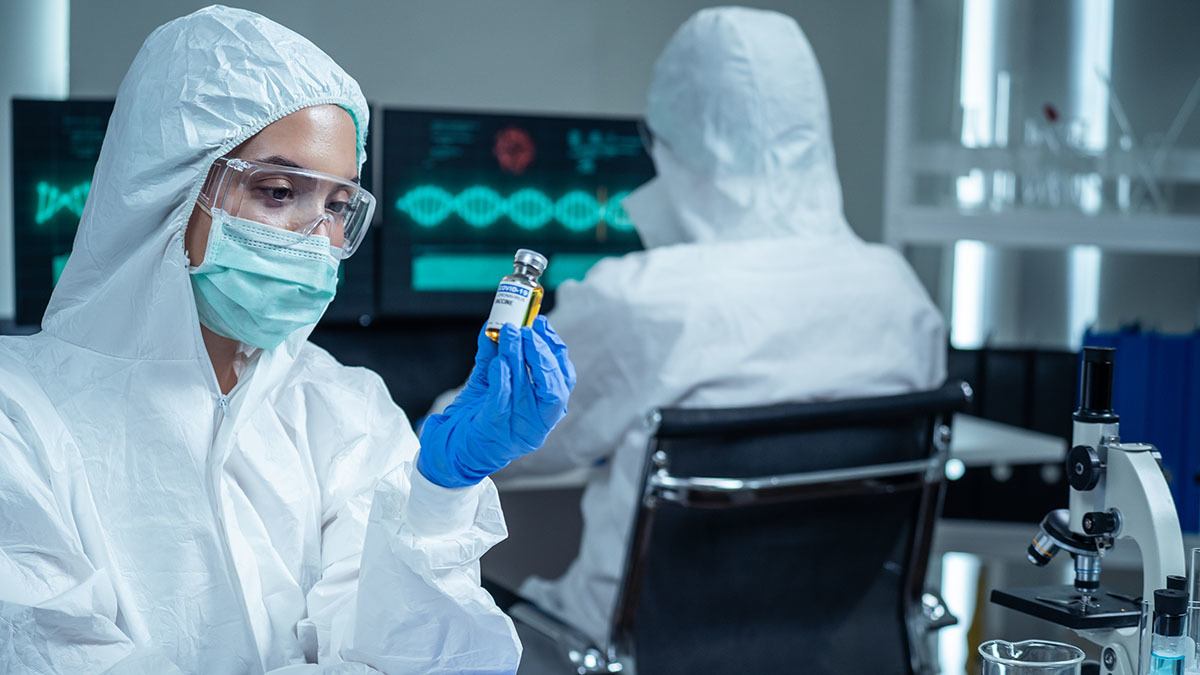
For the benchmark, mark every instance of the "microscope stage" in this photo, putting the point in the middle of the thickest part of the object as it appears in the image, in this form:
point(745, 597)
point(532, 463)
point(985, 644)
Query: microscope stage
point(1062, 605)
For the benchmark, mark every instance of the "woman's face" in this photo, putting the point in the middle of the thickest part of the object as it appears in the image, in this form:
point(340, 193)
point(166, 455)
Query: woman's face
point(321, 138)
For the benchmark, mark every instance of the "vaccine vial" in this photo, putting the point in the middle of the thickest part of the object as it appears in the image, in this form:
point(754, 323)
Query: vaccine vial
point(1168, 642)
point(519, 297)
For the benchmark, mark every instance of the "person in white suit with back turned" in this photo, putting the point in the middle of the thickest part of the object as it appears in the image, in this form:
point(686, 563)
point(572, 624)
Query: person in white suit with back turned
point(752, 289)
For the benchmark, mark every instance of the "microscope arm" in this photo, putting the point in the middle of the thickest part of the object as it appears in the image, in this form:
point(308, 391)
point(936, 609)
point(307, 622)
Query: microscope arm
point(1137, 488)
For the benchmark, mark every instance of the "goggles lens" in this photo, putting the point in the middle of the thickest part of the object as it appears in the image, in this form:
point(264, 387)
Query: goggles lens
point(298, 200)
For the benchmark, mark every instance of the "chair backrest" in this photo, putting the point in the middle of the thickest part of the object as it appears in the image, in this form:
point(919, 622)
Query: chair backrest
point(790, 538)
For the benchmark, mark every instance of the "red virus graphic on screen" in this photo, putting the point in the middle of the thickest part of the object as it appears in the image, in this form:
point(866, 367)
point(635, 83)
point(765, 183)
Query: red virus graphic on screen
point(514, 150)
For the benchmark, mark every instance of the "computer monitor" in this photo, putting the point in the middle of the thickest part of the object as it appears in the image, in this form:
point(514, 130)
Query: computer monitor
point(55, 148)
point(464, 190)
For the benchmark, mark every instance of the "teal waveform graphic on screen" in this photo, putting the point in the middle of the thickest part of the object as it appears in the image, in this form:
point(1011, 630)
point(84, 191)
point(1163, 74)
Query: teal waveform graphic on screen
point(52, 199)
point(57, 265)
point(530, 209)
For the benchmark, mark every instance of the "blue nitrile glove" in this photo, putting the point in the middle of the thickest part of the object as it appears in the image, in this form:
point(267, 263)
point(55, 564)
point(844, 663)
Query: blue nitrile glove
point(516, 393)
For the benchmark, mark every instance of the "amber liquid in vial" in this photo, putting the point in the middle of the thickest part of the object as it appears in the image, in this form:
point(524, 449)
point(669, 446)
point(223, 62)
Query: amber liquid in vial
point(519, 296)
point(535, 306)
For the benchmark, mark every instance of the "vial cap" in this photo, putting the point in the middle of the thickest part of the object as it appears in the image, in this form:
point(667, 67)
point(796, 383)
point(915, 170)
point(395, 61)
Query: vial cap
point(532, 258)
point(1167, 601)
point(1176, 582)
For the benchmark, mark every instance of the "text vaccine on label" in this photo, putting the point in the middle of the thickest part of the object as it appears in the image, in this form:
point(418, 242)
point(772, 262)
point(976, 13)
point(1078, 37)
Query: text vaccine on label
point(519, 297)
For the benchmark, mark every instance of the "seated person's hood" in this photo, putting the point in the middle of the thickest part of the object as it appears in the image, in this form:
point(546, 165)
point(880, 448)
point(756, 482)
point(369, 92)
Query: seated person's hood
point(742, 139)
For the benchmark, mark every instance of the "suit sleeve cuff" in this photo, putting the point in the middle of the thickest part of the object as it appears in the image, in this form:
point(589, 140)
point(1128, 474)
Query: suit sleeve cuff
point(435, 511)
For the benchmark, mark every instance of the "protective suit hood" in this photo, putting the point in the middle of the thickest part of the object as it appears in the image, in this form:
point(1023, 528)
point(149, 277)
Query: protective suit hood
point(125, 291)
point(742, 137)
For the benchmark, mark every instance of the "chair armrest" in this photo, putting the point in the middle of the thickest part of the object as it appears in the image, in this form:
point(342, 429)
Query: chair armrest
point(580, 650)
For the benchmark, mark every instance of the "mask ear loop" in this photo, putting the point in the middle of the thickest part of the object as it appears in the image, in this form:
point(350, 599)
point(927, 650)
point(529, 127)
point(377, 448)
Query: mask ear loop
point(202, 204)
point(203, 207)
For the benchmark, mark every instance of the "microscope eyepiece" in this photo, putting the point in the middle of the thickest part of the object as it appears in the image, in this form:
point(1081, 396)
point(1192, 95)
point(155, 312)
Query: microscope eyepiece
point(1096, 386)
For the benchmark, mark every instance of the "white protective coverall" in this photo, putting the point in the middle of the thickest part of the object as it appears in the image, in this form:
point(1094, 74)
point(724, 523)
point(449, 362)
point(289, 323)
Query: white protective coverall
point(753, 289)
point(149, 524)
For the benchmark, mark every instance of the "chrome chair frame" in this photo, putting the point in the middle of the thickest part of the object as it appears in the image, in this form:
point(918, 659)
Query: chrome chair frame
point(926, 613)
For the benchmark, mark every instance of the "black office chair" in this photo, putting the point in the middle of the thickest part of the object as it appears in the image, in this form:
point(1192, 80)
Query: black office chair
point(788, 538)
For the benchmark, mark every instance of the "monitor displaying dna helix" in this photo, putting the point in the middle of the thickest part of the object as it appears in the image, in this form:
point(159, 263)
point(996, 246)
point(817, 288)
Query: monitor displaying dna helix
point(464, 190)
point(56, 145)
point(55, 148)
point(460, 193)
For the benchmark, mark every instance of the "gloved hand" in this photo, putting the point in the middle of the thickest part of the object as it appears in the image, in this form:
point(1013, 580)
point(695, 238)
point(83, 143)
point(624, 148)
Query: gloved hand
point(516, 394)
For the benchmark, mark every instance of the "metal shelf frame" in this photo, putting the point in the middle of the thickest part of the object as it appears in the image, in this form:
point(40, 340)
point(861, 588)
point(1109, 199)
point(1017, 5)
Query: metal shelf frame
point(906, 223)
point(1135, 233)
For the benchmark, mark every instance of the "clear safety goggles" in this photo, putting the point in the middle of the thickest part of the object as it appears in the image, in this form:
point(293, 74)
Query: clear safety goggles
point(299, 200)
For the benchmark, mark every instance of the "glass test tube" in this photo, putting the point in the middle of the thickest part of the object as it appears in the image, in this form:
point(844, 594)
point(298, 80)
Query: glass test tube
point(1192, 665)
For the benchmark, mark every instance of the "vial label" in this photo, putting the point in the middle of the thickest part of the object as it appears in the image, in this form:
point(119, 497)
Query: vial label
point(510, 306)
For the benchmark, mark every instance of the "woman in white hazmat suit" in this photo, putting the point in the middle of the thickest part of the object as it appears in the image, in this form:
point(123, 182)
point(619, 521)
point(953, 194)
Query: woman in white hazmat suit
point(187, 484)
point(752, 290)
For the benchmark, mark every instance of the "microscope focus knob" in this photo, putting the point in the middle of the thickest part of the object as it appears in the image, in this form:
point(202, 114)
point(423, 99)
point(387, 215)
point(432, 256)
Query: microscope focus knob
point(1084, 468)
point(1100, 522)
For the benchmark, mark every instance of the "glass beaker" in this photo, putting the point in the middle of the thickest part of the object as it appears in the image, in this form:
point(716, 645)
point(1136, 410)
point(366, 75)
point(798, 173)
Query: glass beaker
point(1030, 657)
point(1194, 577)
point(1145, 636)
point(1192, 662)
point(1192, 646)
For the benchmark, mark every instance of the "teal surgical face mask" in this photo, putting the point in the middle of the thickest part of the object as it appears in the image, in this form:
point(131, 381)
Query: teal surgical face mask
point(258, 284)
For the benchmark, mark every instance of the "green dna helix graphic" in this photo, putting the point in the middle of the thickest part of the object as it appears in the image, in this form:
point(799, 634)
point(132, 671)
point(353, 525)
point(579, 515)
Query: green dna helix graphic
point(530, 209)
point(51, 199)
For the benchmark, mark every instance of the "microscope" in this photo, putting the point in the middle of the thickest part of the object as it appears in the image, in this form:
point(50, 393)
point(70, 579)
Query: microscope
point(1118, 491)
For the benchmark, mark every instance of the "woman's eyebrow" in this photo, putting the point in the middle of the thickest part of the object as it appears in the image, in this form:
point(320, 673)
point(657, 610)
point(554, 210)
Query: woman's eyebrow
point(280, 160)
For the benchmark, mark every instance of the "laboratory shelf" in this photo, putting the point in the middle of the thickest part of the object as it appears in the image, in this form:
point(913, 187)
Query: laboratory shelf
point(1181, 165)
point(1133, 233)
point(1015, 139)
